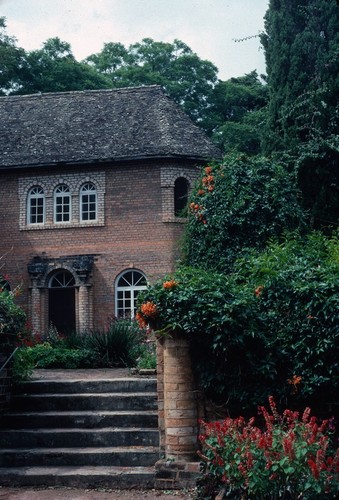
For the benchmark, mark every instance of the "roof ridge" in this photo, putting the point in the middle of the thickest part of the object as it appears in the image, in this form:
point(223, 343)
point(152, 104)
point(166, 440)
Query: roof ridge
point(120, 90)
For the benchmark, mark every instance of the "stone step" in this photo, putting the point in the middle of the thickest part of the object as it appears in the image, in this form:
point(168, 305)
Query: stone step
point(79, 477)
point(107, 456)
point(85, 401)
point(46, 438)
point(131, 385)
point(89, 419)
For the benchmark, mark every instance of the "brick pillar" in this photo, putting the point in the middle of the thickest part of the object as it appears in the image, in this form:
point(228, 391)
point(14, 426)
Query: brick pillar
point(160, 390)
point(84, 309)
point(180, 405)
point(35, 307)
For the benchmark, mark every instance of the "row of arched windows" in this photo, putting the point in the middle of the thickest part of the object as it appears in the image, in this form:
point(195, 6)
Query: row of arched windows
point(62, 203)
point(88, 203)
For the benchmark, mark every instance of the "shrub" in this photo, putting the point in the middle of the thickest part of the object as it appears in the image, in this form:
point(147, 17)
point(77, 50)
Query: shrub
point(116, 346)
point(269, 327)
point(237, 205)
point(147, 357)
point(23, 365)
point(288, 457)
point(12, 317)
point(47, 356)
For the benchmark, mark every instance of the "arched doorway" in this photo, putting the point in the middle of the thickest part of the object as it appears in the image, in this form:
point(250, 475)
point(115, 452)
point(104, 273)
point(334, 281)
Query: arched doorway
point(61, 302)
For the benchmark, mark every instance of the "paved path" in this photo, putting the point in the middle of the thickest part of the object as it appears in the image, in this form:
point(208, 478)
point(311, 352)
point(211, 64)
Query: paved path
point(72, 494)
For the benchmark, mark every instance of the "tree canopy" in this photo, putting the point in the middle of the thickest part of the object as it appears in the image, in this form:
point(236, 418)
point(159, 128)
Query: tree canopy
point(188, 79)
point(301, 43)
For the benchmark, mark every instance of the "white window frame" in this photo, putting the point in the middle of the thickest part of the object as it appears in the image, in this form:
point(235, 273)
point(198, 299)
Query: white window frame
point(36, 194)
point(87, 190)
point(62, 199)
point(131, 288)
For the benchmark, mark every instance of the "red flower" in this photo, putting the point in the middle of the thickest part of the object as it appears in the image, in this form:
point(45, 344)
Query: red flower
point(149, 309)
point(169, 284)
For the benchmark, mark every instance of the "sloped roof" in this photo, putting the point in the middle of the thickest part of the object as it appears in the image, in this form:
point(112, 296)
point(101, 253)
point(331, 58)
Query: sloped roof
point(98, 125)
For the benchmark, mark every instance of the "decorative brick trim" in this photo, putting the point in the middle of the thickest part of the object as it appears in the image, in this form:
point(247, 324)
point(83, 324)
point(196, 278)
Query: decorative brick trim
point(168, 176)
point(48, 183)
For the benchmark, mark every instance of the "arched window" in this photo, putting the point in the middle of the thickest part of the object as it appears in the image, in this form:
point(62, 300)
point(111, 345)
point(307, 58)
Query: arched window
point(129, 285)
point(62, 204)
point(62, 279)
point(36, 206)
point(181, 187)
point(88, 202)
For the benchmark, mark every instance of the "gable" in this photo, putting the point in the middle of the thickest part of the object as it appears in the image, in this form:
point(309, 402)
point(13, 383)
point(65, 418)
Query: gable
point(97, 126)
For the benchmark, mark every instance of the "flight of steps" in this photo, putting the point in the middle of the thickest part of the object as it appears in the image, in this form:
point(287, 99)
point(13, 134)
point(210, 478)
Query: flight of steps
point(81, 433)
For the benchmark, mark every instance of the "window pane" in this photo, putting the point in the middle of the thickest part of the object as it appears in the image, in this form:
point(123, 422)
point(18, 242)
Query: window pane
point(128, 287)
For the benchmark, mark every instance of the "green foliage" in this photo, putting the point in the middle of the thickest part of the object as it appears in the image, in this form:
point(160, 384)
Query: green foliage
point(236, 205)
point(288, 457)
point(188, 79)
point(147, 358)
point(46, 356)
point(119, 345)
point(54, 69)
point(23, 365)
point(301, 48)
point(237, 113)
point(116, 346)
point(12, 317)
point(259, 328)
point(11, 61)
point(301, 43)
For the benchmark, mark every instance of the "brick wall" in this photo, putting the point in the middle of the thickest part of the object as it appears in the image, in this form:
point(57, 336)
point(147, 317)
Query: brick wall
point(136, 229)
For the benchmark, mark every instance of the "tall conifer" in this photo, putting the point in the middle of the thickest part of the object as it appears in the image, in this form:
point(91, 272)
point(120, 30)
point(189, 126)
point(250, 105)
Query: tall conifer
point(301, 43)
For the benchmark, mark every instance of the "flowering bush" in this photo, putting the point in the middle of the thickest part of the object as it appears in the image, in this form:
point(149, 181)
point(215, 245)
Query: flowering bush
point(238, 204)
point(269, 327)
point(288, 457)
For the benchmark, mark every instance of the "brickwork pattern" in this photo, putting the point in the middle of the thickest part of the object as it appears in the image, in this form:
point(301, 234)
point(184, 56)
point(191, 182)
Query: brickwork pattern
point(180, 405)
point(132, 234)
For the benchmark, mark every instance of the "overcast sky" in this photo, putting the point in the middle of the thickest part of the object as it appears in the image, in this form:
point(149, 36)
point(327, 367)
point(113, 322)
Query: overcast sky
point(208, 27)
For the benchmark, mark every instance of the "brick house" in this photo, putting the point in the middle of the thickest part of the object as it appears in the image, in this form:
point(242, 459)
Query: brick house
point(92, 187)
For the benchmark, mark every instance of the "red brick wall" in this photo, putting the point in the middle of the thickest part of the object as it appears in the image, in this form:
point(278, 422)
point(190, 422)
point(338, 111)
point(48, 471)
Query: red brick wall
point(133, 235)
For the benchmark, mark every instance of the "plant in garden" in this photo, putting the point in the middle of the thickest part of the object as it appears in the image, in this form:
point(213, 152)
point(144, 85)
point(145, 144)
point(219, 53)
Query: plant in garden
point(289, 456)
point(12, 317)
point(253, 330)
point(116, 346)
point(147, 358)
point(236, 205)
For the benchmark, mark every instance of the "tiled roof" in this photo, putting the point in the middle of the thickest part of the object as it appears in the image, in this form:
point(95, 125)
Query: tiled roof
point(98, 125)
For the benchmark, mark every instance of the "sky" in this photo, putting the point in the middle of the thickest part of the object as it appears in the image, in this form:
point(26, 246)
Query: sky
point(208, 27)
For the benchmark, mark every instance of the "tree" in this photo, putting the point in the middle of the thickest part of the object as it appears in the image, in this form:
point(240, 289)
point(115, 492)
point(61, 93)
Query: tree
point(12, 60)
point(301, 43)
point(188, 79)
point(237, 113)
point(54, 69)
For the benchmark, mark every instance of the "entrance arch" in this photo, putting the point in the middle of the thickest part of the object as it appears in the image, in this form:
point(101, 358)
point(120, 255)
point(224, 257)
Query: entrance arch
point(61, 302)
